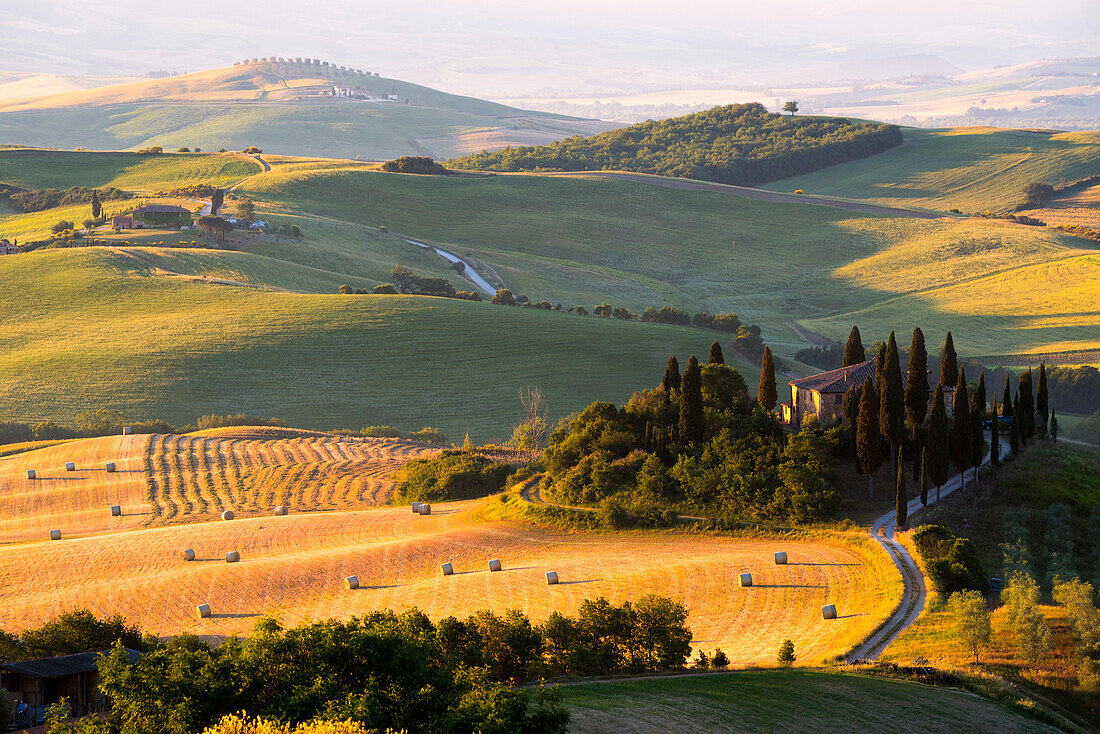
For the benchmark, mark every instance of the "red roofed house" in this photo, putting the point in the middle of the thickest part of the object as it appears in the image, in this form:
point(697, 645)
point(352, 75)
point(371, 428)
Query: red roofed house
point(823, 394)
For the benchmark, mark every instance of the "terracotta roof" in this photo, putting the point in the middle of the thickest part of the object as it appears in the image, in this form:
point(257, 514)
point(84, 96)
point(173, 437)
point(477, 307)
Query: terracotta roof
point(161, 208)
point(838, 380)
point(62, 665)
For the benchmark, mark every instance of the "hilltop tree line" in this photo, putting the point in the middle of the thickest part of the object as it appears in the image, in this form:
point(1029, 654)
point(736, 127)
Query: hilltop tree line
point(37, 200)
point(386, 671)
point(740, 144)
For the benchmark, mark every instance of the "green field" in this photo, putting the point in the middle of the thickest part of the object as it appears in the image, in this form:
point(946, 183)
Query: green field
point(97, 328)
point(582, 241)
point(61, 169)
point(783, 701)
point(971, 169)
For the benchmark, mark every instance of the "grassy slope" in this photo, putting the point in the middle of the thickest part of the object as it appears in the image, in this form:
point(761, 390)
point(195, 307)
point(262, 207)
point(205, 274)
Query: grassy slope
point(96, 329)
point(788, 701)
point(583, 241)
point(972, 169)
point(58, 169)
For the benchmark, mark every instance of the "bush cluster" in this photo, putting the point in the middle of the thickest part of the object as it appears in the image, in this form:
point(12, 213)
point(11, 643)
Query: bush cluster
point(414, 164)
point(740, 144)
point(952, 562)
point(451, 475)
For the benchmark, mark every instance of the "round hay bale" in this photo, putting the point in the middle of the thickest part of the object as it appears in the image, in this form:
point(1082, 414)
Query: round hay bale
point(551, 578)
point(828, 611)
point(232, 557)
point(280, 510)
point(116, 511)
point(188, 555)
point(110, 467)
point(126, 430)
point(781, 558)
point(203, 610)
point(424, 509)
point(416, 507)
point(71, 466)
point(744, 579)
point(494, 565)
point(352, 582)
point(228, 515)
point(55, 535)
point(447, 568)
point(32, 474)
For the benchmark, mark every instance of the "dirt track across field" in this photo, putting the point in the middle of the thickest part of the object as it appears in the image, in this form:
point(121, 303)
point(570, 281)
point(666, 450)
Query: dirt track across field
point(750, 193)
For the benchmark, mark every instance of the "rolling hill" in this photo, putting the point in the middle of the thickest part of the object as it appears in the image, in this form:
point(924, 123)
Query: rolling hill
point(278, 107)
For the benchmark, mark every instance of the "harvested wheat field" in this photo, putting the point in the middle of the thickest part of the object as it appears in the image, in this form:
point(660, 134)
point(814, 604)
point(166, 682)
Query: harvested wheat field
point(162, 479)
point(295, 566)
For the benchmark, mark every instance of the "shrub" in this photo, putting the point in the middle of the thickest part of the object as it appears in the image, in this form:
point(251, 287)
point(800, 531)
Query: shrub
point(346, 289)
point(786, 656)
point(151, 150)
point(184, 149)
point(228, 421)
point(719, 661)
point(430, 435)
point(952, 562)
point(452, 475)
point(252, 150)
point(414, 164)
point(384, 289)
point(504, 297)
point(61, 225)
point(380, 432)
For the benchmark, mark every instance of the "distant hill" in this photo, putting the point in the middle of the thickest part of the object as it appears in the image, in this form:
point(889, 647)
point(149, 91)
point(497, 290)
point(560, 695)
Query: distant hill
point(282, 107)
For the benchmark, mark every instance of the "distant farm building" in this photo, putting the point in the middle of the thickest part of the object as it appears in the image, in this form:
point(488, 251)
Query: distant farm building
point(161, 216)
point(33, 685)
point(122, 221)
point(7, 248)
point(822, 395)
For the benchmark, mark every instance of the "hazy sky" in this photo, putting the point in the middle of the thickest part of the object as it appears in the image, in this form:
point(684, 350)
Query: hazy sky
point(503, 46)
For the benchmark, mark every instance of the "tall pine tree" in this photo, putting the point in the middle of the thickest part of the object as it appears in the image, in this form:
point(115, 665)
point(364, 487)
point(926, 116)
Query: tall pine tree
point(901, 497)
point(716, 356)
point(854, 353)
point(868, 437)
point(692, 425)
point(97, 206)
point(924, 477)
point(767, 394)
point(1042, 401)
point(961, 434)
point(995, 437)
point(949, 362)
point(939, 443)
point(891, 397)
point(671, 380)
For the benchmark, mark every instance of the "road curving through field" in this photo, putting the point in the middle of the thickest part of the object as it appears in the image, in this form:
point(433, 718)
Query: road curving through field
point(468, 271)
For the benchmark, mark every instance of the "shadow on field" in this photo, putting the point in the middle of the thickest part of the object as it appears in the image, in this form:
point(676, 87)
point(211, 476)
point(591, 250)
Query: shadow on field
point(849, 616)
point(134, 514)
point(376, 588)
point(788, 586)
point(822, 564)
point(585, 581)
point(232, 616)
point(519, 568)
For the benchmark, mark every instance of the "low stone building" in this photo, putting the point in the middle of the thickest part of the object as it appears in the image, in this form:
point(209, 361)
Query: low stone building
point(161, 216)
point(33, 685)
point(8, 248)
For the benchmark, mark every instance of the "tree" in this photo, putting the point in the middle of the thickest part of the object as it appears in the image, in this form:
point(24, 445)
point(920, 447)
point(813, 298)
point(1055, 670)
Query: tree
point(880, 362)
point(786, 656)
point(850, 406)
point(214, 226)
point(1042, 400)
point(97, 206)
point(246, 210)
point(767, 393)
point(216, 201)
point(1037, 194)
point(791, 106)
point(961, 433)
point(868, 437)
point(533, 430)
point(916, 388)
point(671, 380)
point(692, 422)
point(891, 397)
point(977, 440)
point(503, 297)
point(901, 497)
point(1053, 426)
point(1023, 619)
point(1026, 411)
point(716, 356)
point(949, 362)
point(995, 437)
point(1014, 431)
point(973, 623)
point(719, 661)
point(924, 476)
point(854, 353)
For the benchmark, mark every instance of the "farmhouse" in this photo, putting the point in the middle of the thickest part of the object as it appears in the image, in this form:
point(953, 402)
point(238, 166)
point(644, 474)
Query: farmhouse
point(161, 215)
point(33, 685)
point(122, 221)
point(822, 395)
point(7, 248)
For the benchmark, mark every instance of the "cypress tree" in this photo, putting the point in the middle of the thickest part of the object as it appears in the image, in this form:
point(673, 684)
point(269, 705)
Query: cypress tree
point(1053, 426)
point(939, 454)
point(850, 406)
point(854, 353)
point(980, 393)
point(1006, 402)
point(671, 380)
point(1014, 429)
point(880, 362)
point(949, 362)
point(216, 201)
point(692, 426)
point(1042, 400)
point(1026, 410)
point(868, 437)
point(961, 434)
point(995, 437)
point(767, 394)
point(97, 206)
point(891, 396)
point(924, 477)
point(916, 388)
point(901, 499)
point(716, 356)
point(977, 440)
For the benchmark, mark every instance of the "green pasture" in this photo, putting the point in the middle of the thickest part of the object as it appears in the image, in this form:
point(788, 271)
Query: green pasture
point(62, 169)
